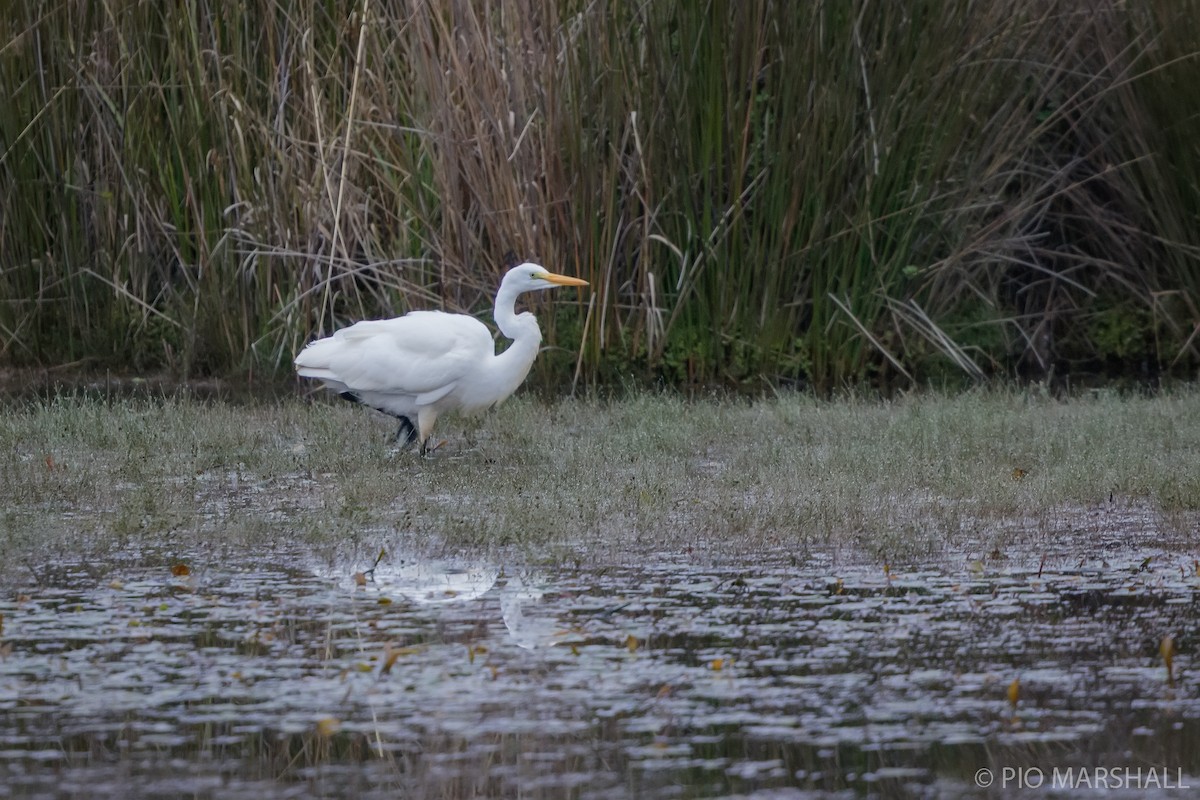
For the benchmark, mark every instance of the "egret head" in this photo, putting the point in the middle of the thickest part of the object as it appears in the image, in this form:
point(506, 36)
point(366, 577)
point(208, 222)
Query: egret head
point(533, 277)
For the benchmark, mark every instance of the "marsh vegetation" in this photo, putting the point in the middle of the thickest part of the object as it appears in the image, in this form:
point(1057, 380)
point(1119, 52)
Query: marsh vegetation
point(892, 481)
point(828, 193)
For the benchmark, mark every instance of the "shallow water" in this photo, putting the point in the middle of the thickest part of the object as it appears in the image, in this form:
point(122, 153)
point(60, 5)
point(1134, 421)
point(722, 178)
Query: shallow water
point(289, 675)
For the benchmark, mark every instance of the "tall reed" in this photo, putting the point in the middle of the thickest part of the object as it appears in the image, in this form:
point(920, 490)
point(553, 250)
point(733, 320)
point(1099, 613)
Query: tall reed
point(815, 192)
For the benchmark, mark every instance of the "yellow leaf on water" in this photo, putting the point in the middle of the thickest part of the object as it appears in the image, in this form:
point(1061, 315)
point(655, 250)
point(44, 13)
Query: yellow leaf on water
point(631, 642)
point(1014, 692)
point(390, 655)
point(1167, 648)
point(328, 726)
point(385, 601)
point(1018, 473)
point(718, 664)
point(180, 570)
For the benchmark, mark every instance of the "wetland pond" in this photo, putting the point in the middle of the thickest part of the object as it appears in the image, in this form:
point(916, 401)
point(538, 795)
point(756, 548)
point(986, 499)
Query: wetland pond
point(291, 674)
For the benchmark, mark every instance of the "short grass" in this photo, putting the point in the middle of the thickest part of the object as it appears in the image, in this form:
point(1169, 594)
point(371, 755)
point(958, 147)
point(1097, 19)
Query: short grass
point(904, 480)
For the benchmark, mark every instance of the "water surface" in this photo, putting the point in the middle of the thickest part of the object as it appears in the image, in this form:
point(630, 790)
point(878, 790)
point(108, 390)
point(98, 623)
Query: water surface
point(295, 674)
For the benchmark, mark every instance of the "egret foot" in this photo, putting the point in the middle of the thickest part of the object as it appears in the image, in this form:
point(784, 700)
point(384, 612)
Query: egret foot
point(429, 446)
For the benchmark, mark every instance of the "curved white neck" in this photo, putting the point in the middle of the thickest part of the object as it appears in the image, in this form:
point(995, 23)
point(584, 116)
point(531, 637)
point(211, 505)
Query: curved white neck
point(513, 325)
point(514, 363)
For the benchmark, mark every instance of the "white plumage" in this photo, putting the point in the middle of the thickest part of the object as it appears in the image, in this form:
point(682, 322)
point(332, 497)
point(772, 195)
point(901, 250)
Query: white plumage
point(425, 363)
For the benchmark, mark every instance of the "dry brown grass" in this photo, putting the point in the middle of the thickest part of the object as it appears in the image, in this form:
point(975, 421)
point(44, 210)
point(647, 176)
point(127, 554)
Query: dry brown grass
point(819, 192)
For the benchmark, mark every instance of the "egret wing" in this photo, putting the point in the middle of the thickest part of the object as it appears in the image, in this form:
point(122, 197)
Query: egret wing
point(421, 353)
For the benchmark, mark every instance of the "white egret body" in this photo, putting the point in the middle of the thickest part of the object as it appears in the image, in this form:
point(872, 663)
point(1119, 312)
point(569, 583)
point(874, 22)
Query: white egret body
point(425, 363)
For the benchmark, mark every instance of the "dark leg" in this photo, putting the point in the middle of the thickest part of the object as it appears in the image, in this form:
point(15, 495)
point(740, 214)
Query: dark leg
point(407, 433)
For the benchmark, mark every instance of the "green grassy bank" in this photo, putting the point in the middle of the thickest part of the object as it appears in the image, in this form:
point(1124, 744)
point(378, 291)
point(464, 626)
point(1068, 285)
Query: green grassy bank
point(826, 193)
point(915, 479)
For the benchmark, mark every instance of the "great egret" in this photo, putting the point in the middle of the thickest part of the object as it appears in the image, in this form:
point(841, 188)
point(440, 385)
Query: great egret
point(428, 362)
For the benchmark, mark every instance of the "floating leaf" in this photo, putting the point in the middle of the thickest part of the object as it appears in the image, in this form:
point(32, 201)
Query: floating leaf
point(385, 601)
point(1167, 648)
point(1018, 473)
point(717, 664)
point(180, 570)
point(390, 655)
point(1014, 692)
point(116, 584)
point(631, 642)
point(328, 726)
